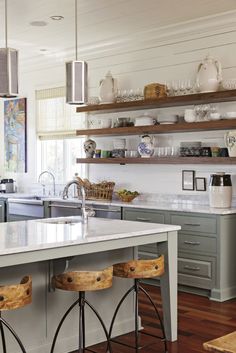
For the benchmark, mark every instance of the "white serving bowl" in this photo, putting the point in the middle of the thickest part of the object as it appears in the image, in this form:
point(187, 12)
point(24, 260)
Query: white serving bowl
point(215, 116)
point(230, 115)
point(144, 121)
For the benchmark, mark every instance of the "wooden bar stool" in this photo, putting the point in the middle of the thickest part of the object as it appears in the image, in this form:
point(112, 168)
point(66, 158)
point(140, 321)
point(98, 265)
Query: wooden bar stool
point(223, 344)
point(82, 281)
point(139, 269)
point(14, 297)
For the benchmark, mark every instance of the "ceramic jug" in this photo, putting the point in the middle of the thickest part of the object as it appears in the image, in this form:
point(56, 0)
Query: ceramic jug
point(107, 89)
point(220, 190)
point(209, 75)
point(145, 147)
point(230, 142)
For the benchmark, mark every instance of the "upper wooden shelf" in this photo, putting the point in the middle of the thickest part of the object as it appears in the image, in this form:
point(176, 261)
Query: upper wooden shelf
point(162, 129)
point(198, 98)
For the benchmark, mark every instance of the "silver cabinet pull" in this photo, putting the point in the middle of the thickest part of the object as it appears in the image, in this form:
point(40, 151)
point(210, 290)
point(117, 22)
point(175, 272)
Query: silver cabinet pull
point(65, 206)
point(143, 219)
point(192, 268)
point(192, 242)
point(106, 210)
point(192, 224)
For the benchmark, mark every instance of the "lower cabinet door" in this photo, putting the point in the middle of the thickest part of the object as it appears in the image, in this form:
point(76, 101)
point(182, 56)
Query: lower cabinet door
point(196, 272)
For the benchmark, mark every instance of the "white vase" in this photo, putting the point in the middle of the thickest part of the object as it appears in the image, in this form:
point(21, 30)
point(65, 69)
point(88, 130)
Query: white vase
point(209, 75)
point(107, 89)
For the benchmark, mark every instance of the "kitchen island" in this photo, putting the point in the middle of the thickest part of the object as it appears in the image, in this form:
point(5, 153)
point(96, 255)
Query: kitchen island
point(44, 247)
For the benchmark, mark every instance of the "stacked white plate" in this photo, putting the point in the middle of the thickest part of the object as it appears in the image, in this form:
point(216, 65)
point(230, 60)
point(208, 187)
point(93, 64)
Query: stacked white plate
point(230, 115)
point(167, 119)
point(144, 120)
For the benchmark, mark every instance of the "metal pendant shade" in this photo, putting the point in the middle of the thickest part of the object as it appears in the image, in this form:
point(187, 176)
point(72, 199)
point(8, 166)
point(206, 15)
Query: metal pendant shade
point(76, 75)
point(8, 68)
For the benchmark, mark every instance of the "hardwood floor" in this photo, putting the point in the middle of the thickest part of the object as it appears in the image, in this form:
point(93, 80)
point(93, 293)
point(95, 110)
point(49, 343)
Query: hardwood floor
point(199, 320)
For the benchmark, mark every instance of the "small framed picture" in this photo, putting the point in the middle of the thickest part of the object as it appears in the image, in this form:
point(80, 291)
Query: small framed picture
point(200, 184)
point(188, 179)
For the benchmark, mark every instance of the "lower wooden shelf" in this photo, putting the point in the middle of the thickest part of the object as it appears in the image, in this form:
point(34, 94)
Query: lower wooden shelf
point(160, 160)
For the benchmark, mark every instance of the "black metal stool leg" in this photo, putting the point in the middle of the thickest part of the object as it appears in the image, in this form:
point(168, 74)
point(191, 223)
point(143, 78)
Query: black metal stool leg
point(3, 335)
point(118, 307)
point(158, 315)
point(4, 323)
point(81, 322)
point(60, 324)
point(102, 323)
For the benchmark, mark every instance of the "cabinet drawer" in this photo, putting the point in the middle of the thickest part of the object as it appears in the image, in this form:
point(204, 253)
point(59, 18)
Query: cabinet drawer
point(199, 273)
point(194, 223)
point(196, 243)
point(195, 267)
point(144, 216)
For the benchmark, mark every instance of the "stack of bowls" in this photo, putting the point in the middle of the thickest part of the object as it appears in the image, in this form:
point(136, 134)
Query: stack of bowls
point(144, 120)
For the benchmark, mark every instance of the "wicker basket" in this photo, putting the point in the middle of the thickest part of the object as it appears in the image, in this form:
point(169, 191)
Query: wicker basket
point(154, 91)
point(100, 191)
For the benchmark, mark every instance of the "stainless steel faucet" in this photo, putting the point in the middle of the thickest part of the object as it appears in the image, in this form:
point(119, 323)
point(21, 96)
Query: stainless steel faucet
point(85, 211)
point(53, 181)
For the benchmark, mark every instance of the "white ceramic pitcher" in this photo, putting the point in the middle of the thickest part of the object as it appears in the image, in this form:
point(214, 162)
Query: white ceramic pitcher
point(107, 89)
point(230, 142)
point(209, 75)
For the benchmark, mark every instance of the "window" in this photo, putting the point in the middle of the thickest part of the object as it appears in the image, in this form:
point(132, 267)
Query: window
point(57, 123)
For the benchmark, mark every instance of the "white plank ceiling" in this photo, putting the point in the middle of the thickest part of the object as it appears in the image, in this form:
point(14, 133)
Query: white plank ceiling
point(99, 22)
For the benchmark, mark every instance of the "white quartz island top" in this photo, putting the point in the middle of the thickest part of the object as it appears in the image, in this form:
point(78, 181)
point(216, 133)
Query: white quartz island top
point(44, 239)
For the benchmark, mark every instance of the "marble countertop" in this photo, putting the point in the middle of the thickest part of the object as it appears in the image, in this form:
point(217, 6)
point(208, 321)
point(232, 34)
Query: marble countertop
point(38, 235)
point(186, 206)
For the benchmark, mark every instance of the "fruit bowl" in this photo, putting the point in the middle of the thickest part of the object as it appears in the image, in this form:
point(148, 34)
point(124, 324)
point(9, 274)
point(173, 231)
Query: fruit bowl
point(127, 196)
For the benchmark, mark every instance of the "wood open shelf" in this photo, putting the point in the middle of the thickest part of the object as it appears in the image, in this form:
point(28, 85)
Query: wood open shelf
point(162, 129)
point(190, 99)
point(160, 160)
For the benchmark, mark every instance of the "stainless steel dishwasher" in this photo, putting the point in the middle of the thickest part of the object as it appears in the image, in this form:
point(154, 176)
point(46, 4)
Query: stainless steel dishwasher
point(65, 208)
point(25, 209)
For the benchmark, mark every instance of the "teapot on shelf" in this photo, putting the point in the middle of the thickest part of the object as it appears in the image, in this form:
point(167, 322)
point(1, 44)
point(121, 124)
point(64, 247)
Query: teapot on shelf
point(107, 89)
point(209, 75)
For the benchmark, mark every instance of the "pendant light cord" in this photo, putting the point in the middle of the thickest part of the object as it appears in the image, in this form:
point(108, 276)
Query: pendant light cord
point(6, 22)
point(76, 31)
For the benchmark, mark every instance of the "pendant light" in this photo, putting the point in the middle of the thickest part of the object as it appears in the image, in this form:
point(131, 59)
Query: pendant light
point(8, 68)
point(76, 74)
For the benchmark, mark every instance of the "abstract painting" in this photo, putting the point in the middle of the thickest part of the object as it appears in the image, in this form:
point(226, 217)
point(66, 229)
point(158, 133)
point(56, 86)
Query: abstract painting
point(15, 137)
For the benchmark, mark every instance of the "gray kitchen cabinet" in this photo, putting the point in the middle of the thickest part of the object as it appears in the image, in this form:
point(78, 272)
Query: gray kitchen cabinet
point(2, 210)
point(206, 249)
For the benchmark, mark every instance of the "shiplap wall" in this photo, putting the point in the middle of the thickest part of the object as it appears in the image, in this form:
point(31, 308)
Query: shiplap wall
point(157, 58)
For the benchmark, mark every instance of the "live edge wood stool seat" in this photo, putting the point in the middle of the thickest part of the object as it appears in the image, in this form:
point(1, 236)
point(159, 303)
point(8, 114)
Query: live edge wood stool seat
point(14, 297)
point(82, 281)
point(223, 344)
point(139, 269)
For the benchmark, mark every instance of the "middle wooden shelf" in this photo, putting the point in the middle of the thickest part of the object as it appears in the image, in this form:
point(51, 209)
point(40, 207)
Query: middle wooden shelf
point(161, 129)
point(160, 160)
